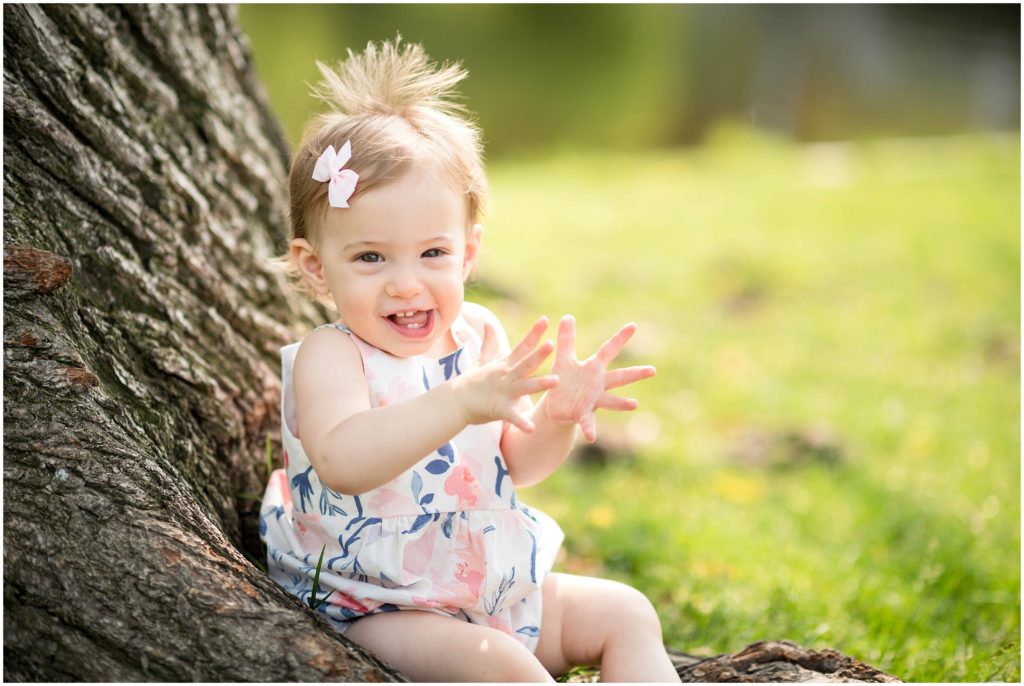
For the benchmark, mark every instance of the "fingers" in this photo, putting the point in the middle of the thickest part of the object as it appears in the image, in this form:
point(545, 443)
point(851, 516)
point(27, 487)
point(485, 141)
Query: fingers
point(527, 365)
point(589, 427)
point(535, 384)
point(529, 341)
point(607, 401)
point(610, 348)
point(518, 419)
point(566, 338)
point(626, 375)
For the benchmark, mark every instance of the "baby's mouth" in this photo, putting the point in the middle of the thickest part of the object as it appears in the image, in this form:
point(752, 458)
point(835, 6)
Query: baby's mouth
point(410, 319)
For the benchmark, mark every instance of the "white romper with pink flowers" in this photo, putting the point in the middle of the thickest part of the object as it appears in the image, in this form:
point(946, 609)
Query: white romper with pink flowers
point(447, 536)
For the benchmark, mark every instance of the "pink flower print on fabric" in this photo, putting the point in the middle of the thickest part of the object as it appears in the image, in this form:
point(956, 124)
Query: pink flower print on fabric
point(385, 499)
point(399, 390)
point(344, 600)
point(462, 484)
point(310, 533)
point(471, 577)
point(418, 555)
point(279, 481)
point(341, 183)
point(366, 351)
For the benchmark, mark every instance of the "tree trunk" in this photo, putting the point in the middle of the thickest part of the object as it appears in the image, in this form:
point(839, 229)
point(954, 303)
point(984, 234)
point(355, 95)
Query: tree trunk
point(143, 192)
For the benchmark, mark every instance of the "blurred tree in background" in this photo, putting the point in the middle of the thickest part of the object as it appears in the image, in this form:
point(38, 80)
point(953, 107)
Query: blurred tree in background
point(643, 76)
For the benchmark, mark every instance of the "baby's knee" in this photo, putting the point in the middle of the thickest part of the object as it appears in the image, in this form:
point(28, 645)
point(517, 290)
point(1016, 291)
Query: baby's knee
point(635, 610)
point(507, 659)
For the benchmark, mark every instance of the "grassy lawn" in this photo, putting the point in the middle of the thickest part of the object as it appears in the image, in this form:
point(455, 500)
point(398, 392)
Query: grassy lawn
point(830, 452)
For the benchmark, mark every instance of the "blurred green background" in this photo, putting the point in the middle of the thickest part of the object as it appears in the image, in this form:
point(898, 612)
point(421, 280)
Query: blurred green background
point(644, 76)
point(813, 212)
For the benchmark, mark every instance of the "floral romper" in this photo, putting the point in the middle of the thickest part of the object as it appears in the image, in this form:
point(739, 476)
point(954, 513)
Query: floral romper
point(447, 536)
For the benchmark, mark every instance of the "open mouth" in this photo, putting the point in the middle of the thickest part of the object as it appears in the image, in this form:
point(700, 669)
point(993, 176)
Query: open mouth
point(412, 323)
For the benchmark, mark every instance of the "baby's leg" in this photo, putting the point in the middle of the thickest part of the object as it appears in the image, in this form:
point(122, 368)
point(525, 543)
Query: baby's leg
point(590, 621)
point(430, 647)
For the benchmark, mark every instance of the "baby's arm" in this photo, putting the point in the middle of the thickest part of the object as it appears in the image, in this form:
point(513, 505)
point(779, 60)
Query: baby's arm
point(352, 447)
point(355, 448)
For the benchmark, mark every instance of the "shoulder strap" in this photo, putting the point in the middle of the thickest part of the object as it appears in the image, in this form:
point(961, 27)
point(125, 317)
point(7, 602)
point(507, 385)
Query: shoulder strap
point(467, 337)
point(288, 353)
point(334, 325)
point(288, 418)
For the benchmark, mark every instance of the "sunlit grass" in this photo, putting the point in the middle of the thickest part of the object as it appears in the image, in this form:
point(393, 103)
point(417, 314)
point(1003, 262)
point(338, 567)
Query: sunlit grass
point(867, 290)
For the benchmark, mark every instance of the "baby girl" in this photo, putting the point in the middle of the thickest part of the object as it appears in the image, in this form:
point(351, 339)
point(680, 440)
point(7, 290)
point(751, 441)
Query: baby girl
point(407, 424)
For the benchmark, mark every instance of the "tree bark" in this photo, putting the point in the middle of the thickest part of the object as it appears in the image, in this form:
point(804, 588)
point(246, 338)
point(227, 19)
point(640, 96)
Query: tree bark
point(777, 661)
point(143, 192)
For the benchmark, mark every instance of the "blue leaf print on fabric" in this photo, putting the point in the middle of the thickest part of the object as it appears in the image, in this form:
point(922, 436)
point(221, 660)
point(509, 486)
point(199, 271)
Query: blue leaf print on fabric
point(501, 474)
point(529, 631)
point(350, 614)
point(360, 572)
point(301, 482)
point(437, 466)
point(427, 499)
point(447, 451)
point(419, 523)
point(359, 513)
point(533, 558)
point(526, 511)
point(446, 528)
point(326, 506)
point(417, 485)
point(263, 526)
point(451, 364)
point(346, 543)
point(494, 604)
point(488, 529)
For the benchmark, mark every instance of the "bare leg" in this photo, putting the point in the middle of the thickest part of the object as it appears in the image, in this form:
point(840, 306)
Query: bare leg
point(590, 621)
point(430, 647)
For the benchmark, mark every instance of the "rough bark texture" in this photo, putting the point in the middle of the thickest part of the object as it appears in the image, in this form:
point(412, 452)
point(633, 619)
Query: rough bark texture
point(777, 661)
point(143, 192)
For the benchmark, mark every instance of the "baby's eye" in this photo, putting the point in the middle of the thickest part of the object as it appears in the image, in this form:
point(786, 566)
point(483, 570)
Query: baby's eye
point(370, 257)
point(435, 252)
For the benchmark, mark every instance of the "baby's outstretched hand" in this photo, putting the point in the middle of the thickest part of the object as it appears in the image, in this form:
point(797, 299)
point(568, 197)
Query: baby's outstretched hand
point(492, 391)
point(583, 386)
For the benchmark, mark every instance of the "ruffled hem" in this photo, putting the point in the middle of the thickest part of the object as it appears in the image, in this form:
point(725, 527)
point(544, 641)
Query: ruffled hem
point(480, 561)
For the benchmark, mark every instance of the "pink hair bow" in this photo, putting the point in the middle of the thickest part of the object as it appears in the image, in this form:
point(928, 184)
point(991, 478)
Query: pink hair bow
point(342, 181)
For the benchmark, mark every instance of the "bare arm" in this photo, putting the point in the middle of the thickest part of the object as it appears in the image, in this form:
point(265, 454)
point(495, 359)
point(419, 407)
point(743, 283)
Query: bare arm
point(355, 448)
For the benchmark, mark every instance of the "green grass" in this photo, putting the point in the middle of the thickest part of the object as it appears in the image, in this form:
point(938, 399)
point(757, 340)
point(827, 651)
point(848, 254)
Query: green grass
point(870, 288)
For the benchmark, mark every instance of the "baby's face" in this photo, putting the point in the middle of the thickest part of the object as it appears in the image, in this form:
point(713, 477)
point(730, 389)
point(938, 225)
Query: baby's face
point(396, 261)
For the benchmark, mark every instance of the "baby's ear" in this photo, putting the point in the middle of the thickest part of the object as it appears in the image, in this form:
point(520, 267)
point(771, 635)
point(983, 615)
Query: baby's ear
point(474, 237)
point(304, 257)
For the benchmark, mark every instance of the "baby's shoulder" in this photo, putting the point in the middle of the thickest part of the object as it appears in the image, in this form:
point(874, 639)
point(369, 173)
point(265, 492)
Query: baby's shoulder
point(326, 347)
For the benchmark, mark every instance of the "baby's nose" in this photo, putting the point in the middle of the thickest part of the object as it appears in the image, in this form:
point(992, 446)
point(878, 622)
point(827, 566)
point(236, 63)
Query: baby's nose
point(404, 284)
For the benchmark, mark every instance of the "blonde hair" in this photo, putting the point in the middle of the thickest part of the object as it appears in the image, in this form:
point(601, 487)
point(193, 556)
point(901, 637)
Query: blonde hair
point(397, 109)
